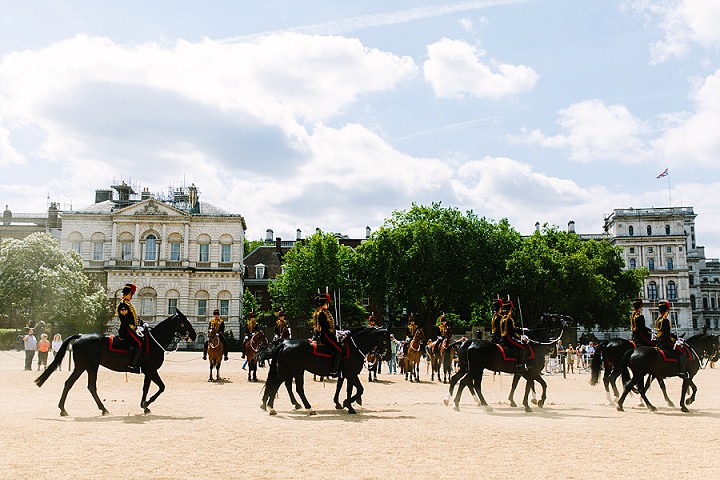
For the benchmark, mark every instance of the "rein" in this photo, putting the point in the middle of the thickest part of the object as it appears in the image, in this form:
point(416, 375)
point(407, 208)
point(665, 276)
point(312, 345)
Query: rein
point(177, 344)
point(550, 342)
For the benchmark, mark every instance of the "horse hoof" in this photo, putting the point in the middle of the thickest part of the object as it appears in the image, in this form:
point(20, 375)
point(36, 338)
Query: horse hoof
point(272, 412)
point(63, 413)
point(684, 409)
point(541, 403)
point(620, 408)
point(298, 406)
point(359, 401)
point(446, 402)
point(210, 380)
point(528, 409)
point(456, 408)
point(653, 409)
point(147, 411)
point(534, 401)
point(263, 408)
point(338, 406)
point(105, 413)
point(312, 412)
point(351, 411)
point(513, 404)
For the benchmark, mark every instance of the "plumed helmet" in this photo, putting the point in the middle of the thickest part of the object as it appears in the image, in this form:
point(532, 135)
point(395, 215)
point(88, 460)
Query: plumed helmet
point(216, 312)
point(637, 303)
point(251, 314)
point(497, 304)
point(129, 288)
point(507, 306)
point(664, 306)
point(322, 299)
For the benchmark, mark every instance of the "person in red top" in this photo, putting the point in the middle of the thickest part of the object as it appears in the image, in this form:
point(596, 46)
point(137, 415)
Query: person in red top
point(43, 349)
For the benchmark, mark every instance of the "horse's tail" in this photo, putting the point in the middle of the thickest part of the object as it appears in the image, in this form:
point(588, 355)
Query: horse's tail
point(56, 361)
point(596, 363)
point(265, 352)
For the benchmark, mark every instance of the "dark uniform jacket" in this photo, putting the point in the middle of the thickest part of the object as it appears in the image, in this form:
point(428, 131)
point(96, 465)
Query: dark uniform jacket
point(665, 339)
point(128, 323)
point(641, 334)
point(325, 329)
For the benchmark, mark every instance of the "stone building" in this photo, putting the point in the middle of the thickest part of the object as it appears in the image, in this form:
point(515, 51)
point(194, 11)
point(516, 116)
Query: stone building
point(180, 252)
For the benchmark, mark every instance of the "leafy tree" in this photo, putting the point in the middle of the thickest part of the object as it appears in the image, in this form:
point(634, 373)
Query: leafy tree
point(250, 245)
point(556, 271)
point(43, 283)
point(433, 259)
point(318, 263)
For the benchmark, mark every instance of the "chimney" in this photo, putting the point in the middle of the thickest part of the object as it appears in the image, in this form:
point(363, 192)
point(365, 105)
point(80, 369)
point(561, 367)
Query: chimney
point(537, 226)
point(145, 195)
point(53, 216)
point(269, 234)
point(298, 234)
point(103, 195)
point(367, 232)
point(571, 226)
point(278, 246)
point(7, 216)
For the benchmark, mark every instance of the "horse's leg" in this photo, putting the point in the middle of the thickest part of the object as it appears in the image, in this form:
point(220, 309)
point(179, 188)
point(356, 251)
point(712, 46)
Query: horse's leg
point(353, 382)
point(683, 392)
point(516, 379)
point(68, 385)
point(348, 396)
point(453, 381)
point(154, 377)
point(543, 384)
point(300, 389)
point(528, 387)
point(288, 387)
point(693, 387)
point(609, 380)
point(92, 386)
point(477, 392)
point(661, 382)
point(338, 387)
point(464, 381)
point(210, 379)
point(643, 389)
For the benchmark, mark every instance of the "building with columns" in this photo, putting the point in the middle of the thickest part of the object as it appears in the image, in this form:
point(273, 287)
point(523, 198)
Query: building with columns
point(180, 252)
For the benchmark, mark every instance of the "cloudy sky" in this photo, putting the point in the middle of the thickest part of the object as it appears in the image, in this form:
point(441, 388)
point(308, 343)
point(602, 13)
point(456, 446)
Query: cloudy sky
point(329, 114)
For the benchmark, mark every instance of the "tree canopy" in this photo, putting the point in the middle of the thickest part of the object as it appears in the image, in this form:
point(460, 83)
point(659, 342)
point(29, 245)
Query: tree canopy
point(40, 282)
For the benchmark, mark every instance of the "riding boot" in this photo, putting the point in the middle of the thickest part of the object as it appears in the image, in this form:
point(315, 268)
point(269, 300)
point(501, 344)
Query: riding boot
point(682, 369)
point(134, 366)
point(335, 370)
point(521, 367)
point(205, 350)
point(225, 349)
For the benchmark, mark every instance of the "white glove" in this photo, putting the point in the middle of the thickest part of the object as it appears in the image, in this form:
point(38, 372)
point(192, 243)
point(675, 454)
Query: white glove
point(139, 331)
point(524, 339)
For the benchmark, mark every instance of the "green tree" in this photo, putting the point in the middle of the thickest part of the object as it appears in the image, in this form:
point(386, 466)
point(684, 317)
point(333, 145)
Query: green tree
point(43, 283)
point(318, 263)
point(557, 272)
point(250, 245)
point(431, 260)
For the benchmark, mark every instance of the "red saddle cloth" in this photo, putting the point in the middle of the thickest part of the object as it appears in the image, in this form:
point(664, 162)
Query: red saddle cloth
point(529, 356)
point(320, 350)
point(117, 345)
point(683, 349)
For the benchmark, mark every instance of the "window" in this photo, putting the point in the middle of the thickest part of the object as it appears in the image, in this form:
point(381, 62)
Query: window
point(632, 249)
point(705, 303)
point(631, 230)
point(259, 297)
point(649, 229)
point(692, 279)
point(671, 291)
point(715, 323)
point(75, 246)
point(172, 306)
point(669, 263)
point(204, 252)
point(98, 248)
point(651, 264)
point(175, 251)
point(668, 249)
point(632, 264)
point(365, 301)
point(650, 249)
point(202, 307)
point(712, 302)
point(667, 229)
point(695, 323)
point(692, 302)
point(151, 247)
point(260, 271)
point(224, 308)
point(226, 252)
point(652, 291)
point(147, 306)
point(126, 250)
point(674, 319)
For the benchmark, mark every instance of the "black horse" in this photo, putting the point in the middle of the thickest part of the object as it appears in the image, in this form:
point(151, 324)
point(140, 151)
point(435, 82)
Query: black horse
point(292, 358)
point(95, 349)
point(608, 355)
point(477, 355)
point(650, 361)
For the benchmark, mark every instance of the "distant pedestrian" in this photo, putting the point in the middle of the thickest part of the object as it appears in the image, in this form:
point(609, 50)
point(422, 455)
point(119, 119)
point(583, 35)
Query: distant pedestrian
point(43, 347)
point(55, 346)
point(30, 343)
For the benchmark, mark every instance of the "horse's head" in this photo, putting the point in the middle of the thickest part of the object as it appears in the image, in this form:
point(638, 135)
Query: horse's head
point(552, 325)
point(183, 327)
point(714, 348)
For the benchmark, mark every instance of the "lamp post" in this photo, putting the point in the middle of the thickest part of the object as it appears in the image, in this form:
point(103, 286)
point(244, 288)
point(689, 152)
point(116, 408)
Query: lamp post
point(12, 315)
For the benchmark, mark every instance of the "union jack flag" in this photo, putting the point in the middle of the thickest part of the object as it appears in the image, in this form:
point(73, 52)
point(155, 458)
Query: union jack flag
point(663, 174)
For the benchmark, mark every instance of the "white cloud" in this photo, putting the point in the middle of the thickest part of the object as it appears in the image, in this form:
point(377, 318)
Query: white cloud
point(592, 130)
point(8, 154)
point(683, 21)
point(454, 69)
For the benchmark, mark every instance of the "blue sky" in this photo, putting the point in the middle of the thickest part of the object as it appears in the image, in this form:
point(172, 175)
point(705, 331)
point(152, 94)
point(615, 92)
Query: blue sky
point(331, 115)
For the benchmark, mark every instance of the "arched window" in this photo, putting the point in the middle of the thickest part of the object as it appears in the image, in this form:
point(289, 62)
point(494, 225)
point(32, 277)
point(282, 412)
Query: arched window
point(175, 240)
point(649, 229)
point(631, 230)
point(148, 299)
point(126, 246)
point(671, 291)
point(652, 291)
point(692, 302)
point(151, 247)
point(669, 263)
point(651, 264)
point(172, 301)
point(667, 229)
point(203, 248)
point(201, 299)
point(75, 240)
point(632, 264)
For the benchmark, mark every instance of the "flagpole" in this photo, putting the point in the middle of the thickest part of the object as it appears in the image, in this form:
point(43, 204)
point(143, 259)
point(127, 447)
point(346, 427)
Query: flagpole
point(669, 192)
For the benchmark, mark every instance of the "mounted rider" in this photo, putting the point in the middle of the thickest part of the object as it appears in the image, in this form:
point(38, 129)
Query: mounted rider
point(371, 321)
point(641, 334)
point(216, 325)
point(443, 332)
point(251, 328)
point(511, 338)
point(495, 322)
point(324, 329)
point(131, 330)
point(282, 329)
point(667, 340)
point(411, 328)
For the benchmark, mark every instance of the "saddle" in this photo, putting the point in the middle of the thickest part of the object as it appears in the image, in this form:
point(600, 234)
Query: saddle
point(122, 345)
point(672, 356)
point(529, 356)
point(325, 351)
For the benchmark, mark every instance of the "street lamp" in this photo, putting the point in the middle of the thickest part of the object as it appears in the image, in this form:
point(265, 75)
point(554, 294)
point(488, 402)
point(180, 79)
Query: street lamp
point(12, 315)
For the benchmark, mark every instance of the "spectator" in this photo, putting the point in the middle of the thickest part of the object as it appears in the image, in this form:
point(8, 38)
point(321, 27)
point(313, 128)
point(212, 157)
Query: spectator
point(43, 347)
point(30, 343)
point(55, 345)
point(392, 363)
point(589, 352)
point(560, 356)
point(570, 352)
point(580, 356)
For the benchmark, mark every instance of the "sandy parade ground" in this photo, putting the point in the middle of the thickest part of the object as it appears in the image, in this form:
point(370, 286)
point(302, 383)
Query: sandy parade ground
point(201, 430)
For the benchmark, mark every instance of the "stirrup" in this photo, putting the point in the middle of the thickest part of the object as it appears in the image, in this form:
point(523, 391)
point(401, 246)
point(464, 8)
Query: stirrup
point(683, 375)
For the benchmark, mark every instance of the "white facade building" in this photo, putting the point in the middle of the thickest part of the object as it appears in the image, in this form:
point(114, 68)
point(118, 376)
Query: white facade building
point(181, 253)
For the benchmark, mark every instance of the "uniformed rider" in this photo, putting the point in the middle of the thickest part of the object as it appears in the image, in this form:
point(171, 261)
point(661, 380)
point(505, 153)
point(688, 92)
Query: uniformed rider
point(282, 329)
point(641, 334)
point(251, 328)
point(495, 322)
point(411, 328)
point(511, 339)
point(217, 325)
point(667, 340)
point(324, 332)
point(443, 332)
point(131, 330)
